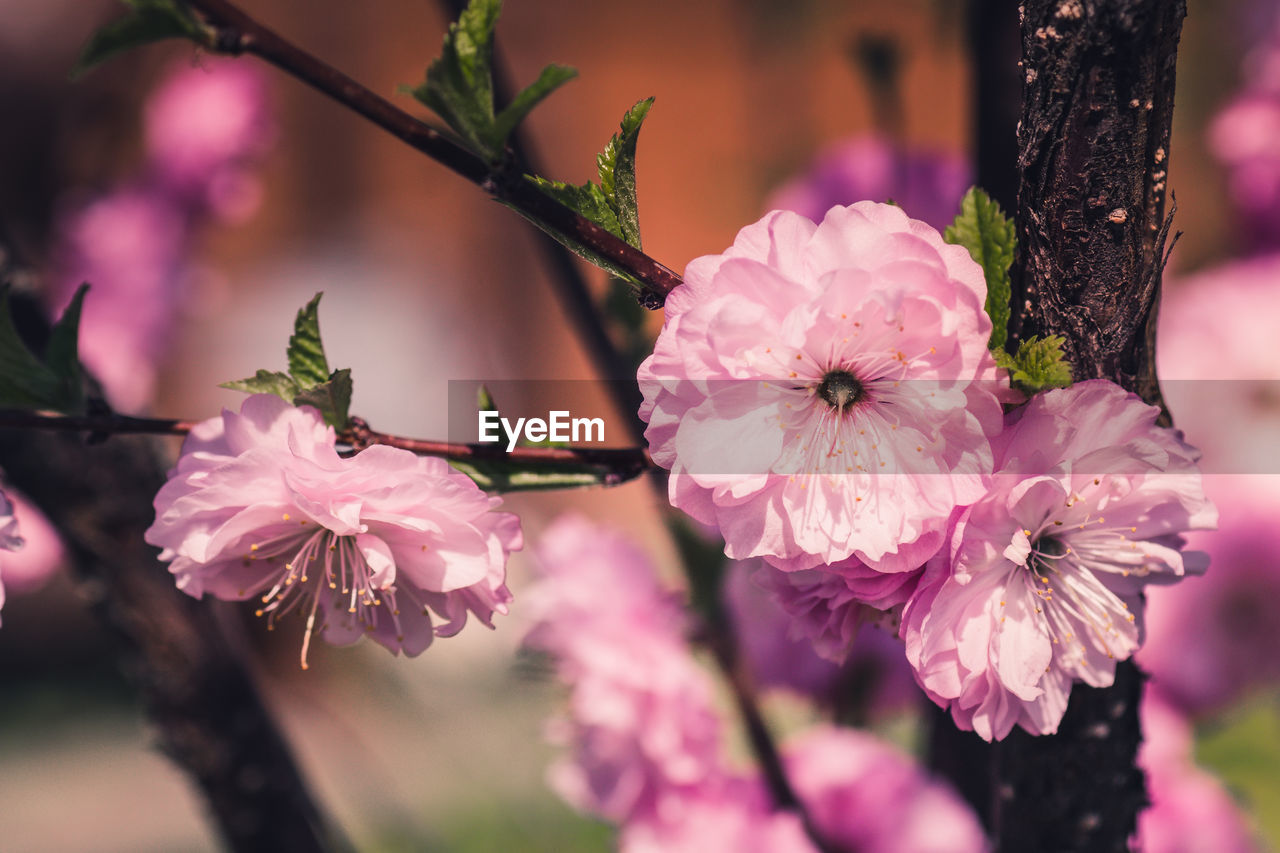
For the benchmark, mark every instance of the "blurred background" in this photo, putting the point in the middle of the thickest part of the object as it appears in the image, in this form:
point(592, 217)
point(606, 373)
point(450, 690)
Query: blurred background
point(207, 200)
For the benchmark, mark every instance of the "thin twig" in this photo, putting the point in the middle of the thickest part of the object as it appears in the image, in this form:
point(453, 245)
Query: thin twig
point(624, 462)
point(238, 33)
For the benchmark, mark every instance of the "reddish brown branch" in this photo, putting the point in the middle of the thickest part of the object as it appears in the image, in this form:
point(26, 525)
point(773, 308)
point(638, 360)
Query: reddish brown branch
point(238, 33)
point(624, 463)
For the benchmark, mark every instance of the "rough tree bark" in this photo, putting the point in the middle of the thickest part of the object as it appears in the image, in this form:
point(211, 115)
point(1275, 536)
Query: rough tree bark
point(206, 712)
point(1093, 153)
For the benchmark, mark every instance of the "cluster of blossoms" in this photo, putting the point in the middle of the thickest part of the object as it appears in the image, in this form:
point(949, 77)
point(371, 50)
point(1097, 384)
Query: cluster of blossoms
point(645, 735)
point(383, 543)
point(206, 130)
point(824, 398)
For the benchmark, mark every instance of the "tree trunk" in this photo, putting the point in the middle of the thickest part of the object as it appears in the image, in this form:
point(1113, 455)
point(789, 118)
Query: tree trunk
point(1093, 154)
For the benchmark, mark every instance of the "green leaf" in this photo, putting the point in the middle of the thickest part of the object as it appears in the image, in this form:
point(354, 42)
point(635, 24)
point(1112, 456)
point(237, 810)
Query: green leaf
point(1039, 364)
point(266, 382)
point(25, 382)
point(62, 353)
point(504, 476)
point(617, 167)
point(587, 200)
point(551, 78)
point(307, 364)
point(147, 21)
point(55, 382)
point(332, 397)
point(989, 235)
point(459, 83)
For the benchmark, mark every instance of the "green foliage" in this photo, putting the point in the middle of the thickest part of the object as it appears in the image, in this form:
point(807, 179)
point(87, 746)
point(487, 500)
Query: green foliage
point(611, 204)
point(147, 21)
point(1039, 364)
point(57, 381)
point(501, 475)
point(1244, 750)
point(309, 381)
point(989, 235)
point(307, 364)
point(459, 84)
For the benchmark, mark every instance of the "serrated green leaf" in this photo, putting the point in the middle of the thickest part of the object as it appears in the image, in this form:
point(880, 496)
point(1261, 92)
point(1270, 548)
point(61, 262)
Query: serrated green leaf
point(587, 200)
point(332, 397)
point(989, 235)
point(25, 382)
point(62, 354)
point(1039, 364)
point(147, 21)
point(459, 82)
point(551, 78)
point(502, 476)
point(266, 382)
point(307, 364)
point(617, 167)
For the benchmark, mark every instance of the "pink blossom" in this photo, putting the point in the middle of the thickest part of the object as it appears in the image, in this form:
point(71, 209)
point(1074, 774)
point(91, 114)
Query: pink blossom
point(1190, 811)
point(829, 606)
point(9, 538)
point(206, 129)
point(814, 389)
point(865, 795)
point(1219, 366)
point(130, 247)
point(30, 567)
point(737, 816)
point(641, 722)
point(928, 185)
point(384, 543)
point(1041, 583)
point(1212, 638)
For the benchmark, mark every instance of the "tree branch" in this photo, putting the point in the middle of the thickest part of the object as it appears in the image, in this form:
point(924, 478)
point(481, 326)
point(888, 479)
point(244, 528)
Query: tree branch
point(238, 33)
point(1093, 154)
point(620, 463)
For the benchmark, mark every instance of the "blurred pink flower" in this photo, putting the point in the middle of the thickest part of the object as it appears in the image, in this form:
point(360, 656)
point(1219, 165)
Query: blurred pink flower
point(642, 724)
point(1219, 365)
point(1041, 583)
point(30, 567)
point(261, 504)
point(206, 129)
point(130, 246)
point(1245, 137)
point(9, 538)
point(1190, 811)
point(815, 393)
point(1210, 639)
point(865, 795)
point(928, 185)
point(736, 816)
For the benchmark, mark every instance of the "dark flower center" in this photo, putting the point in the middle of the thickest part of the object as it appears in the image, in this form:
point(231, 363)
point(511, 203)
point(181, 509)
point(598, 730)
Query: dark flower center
point(840, 389)
point(1044, 553)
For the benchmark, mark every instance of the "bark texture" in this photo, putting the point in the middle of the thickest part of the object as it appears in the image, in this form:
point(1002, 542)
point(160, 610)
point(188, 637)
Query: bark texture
point(205, 711)
point(1093, 155)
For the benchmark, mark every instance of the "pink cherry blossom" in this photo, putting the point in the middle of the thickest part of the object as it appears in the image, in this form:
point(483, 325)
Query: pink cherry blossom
point(1041, 583)
point(206, 129)
point(384, 543)
point(641, 722)
point(9, 538)
point(865, 795)
point(1190, 810)
point(1219, 366)
point(928, 185)
point(30, 567)
point(1213, 638)
point(814, 390)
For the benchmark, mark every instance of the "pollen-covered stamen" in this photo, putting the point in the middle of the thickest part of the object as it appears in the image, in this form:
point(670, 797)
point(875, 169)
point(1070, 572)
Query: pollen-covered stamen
point(840, 390)
point(344, 572)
